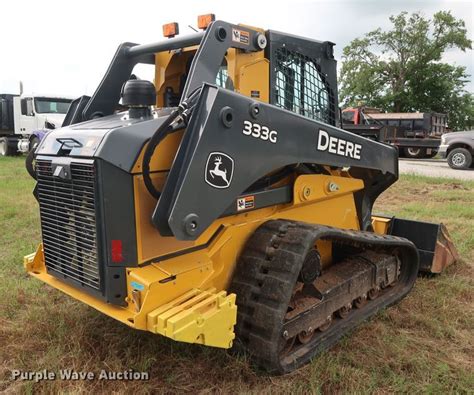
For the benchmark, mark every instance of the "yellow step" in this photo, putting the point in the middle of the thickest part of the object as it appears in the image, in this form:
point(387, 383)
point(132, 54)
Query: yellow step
point(203, 317)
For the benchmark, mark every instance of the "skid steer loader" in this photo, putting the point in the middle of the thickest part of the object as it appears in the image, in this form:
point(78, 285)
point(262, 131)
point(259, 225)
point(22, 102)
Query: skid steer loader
point(222, 205)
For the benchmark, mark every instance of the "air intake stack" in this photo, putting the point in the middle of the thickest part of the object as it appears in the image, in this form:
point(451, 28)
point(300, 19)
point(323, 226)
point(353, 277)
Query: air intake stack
point(139, 96)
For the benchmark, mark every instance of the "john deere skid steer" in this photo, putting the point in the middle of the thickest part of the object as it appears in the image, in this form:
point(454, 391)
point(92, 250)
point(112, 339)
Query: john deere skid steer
point(222, 205)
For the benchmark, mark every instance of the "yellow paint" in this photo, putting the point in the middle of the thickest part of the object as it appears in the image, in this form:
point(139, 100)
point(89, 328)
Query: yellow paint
point(202, 317)
point(35, 266)
point(184, 297)
point(249, 72)
point(163, 156)
point(169, 67)
point(381, 224)
point(211, 267)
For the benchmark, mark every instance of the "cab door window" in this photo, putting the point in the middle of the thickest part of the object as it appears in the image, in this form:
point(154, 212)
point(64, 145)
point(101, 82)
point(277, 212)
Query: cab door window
point(27, 107)
point(300, 87)
point(348, 117)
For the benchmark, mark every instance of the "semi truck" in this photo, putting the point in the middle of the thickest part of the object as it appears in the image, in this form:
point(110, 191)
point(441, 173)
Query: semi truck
point(24, 119)
point(416, 134)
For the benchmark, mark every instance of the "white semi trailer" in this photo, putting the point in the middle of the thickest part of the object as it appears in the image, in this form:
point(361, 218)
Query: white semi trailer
point(25, 119)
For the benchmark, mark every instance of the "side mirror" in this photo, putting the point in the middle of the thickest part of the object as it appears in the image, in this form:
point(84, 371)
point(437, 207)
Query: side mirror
point(49, 125)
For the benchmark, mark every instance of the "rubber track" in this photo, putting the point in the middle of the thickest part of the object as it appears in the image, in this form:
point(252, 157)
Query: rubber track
point(266, 274)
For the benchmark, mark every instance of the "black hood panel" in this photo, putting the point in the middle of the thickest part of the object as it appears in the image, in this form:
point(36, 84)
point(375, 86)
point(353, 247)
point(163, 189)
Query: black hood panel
point(115, 139)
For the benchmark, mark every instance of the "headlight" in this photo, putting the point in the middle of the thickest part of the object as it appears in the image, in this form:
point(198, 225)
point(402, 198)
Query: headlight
point(443, 139)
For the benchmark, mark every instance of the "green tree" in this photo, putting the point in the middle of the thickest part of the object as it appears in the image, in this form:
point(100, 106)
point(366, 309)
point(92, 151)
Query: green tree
point(401, 70)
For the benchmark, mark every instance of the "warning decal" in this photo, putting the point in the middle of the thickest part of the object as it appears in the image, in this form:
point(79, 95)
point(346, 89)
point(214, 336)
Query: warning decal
point(240, 36)
point(246, 203)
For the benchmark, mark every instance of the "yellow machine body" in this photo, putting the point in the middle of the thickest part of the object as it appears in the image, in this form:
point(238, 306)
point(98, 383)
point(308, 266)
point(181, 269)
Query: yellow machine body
point(179, 289)
point(184, 298)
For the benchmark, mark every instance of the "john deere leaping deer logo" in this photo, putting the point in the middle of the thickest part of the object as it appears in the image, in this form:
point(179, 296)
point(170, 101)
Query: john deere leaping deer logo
point(219, 170)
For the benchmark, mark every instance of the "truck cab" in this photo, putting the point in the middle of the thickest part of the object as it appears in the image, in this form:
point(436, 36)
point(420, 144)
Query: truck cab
point(38, 112)
point(26, 118)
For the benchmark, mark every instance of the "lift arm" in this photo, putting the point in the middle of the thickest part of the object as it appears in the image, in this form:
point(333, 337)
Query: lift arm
point(233, 141)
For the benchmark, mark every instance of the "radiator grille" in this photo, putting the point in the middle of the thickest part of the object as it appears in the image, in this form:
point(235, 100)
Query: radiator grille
point(68, 223)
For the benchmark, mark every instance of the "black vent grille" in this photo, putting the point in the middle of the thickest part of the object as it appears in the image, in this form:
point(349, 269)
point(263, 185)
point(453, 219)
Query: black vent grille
point(301, 87)
point(68, 222)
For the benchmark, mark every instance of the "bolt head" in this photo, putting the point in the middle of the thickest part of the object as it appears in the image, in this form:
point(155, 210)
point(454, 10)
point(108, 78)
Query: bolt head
point(333, 187)
point(191, 224)
point(261, 41)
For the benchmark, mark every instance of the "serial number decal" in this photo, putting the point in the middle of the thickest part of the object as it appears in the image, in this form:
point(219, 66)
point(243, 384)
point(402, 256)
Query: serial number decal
point(338, 146)
point(260, 132)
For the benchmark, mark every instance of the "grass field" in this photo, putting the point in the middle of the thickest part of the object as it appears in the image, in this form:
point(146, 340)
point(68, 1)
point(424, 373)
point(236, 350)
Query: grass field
point(424, 344)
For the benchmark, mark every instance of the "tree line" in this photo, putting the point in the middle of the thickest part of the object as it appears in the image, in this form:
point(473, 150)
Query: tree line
point(402, 69)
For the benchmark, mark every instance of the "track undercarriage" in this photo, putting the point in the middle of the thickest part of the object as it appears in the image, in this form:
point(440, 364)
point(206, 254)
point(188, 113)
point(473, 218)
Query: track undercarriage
point(289, 309)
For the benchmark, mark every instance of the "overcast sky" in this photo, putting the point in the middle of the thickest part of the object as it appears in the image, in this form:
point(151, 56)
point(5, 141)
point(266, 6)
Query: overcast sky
point(64, 48)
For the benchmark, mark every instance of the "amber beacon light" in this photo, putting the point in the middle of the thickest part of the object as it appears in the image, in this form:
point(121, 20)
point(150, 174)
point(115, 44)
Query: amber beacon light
point(205, 20)
point(170, 29)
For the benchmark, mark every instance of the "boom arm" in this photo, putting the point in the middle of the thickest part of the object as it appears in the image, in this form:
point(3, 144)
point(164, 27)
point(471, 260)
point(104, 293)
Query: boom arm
point(233, 141)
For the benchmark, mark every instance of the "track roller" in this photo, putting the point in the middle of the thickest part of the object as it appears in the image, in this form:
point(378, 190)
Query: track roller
point(289, 310)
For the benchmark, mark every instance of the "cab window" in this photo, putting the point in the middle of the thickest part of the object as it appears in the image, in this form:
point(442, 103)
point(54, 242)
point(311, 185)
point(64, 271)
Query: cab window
point(348, 117)
point(27, 107)
point(300, 87)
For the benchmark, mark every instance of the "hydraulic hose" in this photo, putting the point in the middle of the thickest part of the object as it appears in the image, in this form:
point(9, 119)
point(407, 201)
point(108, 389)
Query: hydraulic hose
point(164, 129)
point(180, 114)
